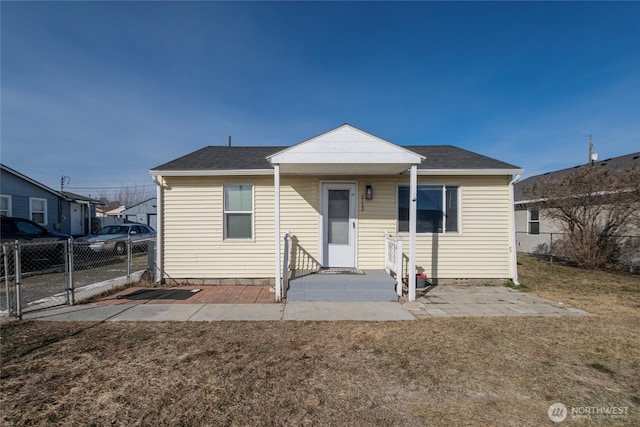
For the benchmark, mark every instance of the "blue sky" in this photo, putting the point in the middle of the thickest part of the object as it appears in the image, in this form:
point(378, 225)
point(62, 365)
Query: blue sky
point(104, 91)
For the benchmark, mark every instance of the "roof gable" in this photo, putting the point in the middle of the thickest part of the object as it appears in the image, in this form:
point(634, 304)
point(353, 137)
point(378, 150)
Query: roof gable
point(345, 145)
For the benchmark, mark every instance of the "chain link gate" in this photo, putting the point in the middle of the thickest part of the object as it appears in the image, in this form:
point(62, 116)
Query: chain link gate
point(43, 275)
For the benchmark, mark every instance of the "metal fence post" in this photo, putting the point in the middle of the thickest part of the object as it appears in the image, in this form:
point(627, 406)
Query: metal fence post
point(18, 274)
point(71, 293)
point(129, 252)
point(5, 264)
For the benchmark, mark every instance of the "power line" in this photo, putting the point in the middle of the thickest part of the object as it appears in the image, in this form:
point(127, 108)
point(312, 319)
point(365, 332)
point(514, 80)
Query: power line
point(111, 188)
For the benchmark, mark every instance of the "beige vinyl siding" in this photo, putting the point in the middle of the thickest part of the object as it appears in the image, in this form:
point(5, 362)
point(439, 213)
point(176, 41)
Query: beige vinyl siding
point(194, 225)
point(299, 214)
point(479, 250)
point(378, 216)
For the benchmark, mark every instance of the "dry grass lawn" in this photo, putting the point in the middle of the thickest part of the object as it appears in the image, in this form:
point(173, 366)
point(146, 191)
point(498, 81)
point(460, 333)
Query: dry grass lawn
point(440, 371)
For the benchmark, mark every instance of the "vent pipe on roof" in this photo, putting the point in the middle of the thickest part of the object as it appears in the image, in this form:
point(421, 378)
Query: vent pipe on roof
point(593, 157)
point(229, 142)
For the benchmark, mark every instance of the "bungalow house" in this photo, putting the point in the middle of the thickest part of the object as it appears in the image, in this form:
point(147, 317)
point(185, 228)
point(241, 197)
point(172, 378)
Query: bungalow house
point(64, 212)
point(223, 211)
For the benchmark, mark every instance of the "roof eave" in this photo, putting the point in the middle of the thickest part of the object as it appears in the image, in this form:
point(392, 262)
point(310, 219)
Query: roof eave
point(210, 172)
point(469, 171)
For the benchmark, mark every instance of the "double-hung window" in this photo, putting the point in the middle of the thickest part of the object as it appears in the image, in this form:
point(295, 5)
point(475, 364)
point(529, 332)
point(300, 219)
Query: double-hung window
point(38, 210)
point(437, 209)
point(238, 211)
point(5, 205)
point(534, 221)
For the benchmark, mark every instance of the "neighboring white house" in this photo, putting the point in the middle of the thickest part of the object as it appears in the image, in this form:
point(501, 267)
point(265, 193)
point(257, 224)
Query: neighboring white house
point(143, 213)
point(535, 232)
point(115, 213)
point(223, 211)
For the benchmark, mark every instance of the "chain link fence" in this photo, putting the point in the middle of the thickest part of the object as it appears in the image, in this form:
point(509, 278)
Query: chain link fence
point(41, 275)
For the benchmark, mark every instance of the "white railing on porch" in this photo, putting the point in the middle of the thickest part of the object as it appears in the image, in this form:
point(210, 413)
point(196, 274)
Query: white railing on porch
point(393, 258)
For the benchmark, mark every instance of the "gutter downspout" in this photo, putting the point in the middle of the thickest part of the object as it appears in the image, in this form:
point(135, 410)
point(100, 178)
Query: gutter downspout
point(512, 219)
point(159, 273)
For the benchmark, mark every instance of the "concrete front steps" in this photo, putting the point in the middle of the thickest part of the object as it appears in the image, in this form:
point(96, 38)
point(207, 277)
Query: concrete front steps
point(372, 286)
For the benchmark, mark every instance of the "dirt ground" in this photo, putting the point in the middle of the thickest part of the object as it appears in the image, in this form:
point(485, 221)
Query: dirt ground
point(439, 371)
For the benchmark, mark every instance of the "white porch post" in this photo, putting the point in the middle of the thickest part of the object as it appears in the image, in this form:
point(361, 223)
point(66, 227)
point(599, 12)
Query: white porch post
point(413, 198)
point(276, 189)
point(159, 273)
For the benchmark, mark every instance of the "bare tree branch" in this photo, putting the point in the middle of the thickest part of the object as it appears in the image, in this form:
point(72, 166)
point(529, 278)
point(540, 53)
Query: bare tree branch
point(594, 207)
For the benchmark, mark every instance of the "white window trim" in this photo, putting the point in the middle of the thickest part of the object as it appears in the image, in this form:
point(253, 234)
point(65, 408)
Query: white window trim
point(529, 221)
point(459, 213)
point(4, 196)
point(444, 204)
point(33, 199)
point(225, 212)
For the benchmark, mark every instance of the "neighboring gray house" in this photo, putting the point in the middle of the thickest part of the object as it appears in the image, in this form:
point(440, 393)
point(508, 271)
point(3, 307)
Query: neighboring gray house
point(143, 213)
point(23, 197)
point(535, 233)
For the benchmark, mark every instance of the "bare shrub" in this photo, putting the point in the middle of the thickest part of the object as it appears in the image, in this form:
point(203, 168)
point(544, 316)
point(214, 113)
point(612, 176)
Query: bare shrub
point(596, 208)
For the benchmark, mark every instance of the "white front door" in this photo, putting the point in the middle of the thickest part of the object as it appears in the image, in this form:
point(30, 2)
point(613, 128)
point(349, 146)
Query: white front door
point(339, 224)
point(77, 219)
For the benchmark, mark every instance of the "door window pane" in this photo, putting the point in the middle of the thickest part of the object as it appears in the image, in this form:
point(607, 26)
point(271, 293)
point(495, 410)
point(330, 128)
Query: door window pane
point(338, 217)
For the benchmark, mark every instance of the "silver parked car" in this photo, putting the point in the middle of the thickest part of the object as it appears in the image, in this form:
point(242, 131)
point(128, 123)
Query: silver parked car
point(113, 238)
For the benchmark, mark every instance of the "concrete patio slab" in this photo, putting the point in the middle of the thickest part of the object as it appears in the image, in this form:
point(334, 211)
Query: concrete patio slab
point(485, 301)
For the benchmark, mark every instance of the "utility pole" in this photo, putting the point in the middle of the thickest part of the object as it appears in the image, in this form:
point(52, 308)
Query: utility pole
point(64, 180)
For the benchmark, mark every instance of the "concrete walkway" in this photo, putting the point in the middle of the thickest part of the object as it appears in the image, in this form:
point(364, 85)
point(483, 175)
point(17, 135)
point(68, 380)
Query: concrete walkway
point(441, 301)
point(303, 310)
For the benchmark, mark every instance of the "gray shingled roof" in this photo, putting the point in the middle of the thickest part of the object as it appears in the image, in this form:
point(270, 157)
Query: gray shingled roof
point(622, 162)
point(223, 158)
point(247, 158)
point(450, 157)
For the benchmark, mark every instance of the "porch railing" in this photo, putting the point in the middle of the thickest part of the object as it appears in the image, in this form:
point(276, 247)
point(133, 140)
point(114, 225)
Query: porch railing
point(393, 259)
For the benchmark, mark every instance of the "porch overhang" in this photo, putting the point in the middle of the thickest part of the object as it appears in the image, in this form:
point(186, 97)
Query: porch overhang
point(345, 150)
